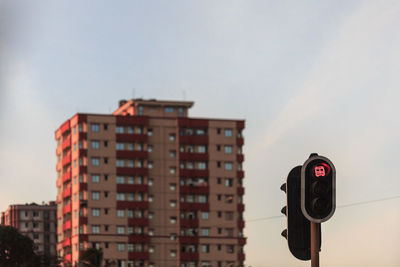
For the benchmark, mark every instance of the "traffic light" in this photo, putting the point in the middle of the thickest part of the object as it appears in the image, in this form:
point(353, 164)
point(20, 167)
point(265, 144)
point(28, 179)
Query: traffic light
point(318, 189)
point(298, 227)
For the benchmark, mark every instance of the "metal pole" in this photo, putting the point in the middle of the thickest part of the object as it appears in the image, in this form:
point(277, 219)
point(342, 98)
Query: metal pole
point(315, 244)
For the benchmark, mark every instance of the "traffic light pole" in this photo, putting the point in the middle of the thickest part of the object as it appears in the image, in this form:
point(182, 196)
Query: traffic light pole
point(315, 243)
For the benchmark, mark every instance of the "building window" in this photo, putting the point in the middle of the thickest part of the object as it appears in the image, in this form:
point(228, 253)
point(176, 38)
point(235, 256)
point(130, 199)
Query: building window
point(95, 178)
point(120, 179)
point(172, 203)
point(121, 247)
point(95, 144)
point(172, 137)
point(205, 248)
point(149, 132)
point(204, 215)
point(172, 220)
point(95, 127)
point(95, 229)
point(130, 130)
point(202, 199)
point(121, 230)
point(228, 166)
point(121, 213)
point(201, 149)
point(96, 212)
point(172, 187)
point(228, 149)
point(95, 195)
point(228, 132)
point(119, 130)
point(169, 109)
point(120, 196)
point(120, 146)
point(230, 248)
point(205, 231)
point(172, 170)
point(150, 165)
point(172, 253)
point(131, 248)
point(120, 163)
point(228, 182)
point(95, 161)
point(202, 165)
point(150, 148)
point(151, 249)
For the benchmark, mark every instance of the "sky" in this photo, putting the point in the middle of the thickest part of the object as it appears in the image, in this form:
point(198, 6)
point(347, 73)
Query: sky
point(307, 76)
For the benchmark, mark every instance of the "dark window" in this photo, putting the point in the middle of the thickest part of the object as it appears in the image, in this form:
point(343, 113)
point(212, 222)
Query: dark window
point(218, 147)
point(105, 126)
point(105, 160)
point(105, 177)
point(105, 143)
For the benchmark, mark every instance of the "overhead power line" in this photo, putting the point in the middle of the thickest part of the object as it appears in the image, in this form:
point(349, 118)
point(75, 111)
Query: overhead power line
point(340, 206)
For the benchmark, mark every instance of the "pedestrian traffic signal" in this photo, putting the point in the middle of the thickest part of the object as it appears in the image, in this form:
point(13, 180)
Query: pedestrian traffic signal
point(298, 227)
point(318, 189)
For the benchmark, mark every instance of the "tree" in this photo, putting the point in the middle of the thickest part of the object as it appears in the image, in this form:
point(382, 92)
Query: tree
point(92, 257)
point(16, 249)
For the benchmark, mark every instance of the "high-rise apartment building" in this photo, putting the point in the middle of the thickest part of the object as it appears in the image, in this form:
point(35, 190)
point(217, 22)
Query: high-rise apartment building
point(151, 187)
point(38, 222)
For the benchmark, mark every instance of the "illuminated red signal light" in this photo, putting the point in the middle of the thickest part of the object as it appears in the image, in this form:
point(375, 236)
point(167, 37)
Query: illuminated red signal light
point(321, 170)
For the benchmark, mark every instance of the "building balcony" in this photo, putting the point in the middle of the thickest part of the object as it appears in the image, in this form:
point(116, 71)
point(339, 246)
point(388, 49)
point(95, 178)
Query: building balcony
point(82, 169)
point(138, 255)
point(82, 152)
point(240, 207)
point(240, 157)
point(194, 206)
point(82, 136)
point(189, 256)
point(193, 139)
point(132, 171)
point(241, 241)
point(190, 189)
point(66, 144)
point(240, 174)
point(193, 156)
point(241, 257)
point(132, 204)
point(83, 220)
point(66, 160)
point(239, 141)
point(67, 209)
point(83, 186)
point(241, 224)
point(66, 242)
point(139, 239)
point(132, 120)
point(131, 138)
point(192, 223)
point(83, 237)
point(65, 127)
point(193, 173)
point(122, 188)
point(128, 154)
point(189, 239)
point(240, 125)
point(240, 191)
point(68, 257)
point(138, 221)
point(66, 177)
point(67, 225)
point(192, 123)
point(66, 192)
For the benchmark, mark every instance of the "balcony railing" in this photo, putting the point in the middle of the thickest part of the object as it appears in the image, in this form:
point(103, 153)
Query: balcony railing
point(189, 189)
point(195, 206)
point(132, 204)
point(132, 188)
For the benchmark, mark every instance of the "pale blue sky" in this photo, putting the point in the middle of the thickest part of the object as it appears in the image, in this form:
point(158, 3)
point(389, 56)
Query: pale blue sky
point(308, 76)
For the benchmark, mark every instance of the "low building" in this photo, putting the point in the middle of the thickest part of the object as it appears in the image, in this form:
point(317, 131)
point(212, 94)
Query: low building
point(38, 222)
